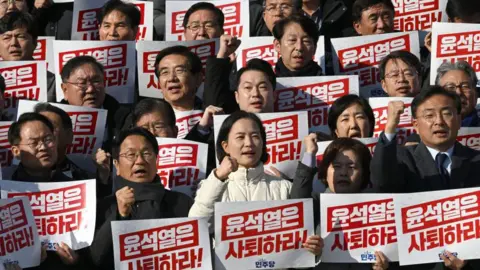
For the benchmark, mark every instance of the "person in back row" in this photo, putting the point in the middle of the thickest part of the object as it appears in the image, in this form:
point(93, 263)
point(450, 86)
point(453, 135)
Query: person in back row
point(203, 20)
point(401, 74)
point(372, 17)
point(118, 20)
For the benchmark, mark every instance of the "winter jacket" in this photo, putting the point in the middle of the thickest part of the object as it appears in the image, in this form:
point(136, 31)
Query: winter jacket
point(152, 201)
point(243, 185)
point(55, 20)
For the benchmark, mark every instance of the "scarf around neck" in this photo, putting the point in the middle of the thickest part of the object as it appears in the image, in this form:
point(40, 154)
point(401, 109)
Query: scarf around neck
point(310, 69)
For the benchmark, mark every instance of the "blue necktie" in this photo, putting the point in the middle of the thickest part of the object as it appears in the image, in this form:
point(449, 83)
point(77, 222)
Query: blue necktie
point(440, 160)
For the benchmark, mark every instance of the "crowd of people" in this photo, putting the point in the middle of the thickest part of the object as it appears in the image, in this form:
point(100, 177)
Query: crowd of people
point(430, 160)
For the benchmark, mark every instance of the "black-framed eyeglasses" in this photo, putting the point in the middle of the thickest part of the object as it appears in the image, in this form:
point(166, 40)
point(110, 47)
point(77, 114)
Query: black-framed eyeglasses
point(84, 85)
point(132, 156)
point(47, 141)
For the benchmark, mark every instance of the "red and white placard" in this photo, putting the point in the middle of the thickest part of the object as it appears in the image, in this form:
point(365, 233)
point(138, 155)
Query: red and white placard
point(418, 14)
point(314, 95)
point(452, 42)
point(362, 55)
point(380, 111)
point(285, 133)
point(88, 131)
point(428, 223)
point(354, 226)
point(469, 136)
point(147, 51)
point(44, 51)
point(63, 211)
point(263, 48)
point(181, 163)
point(173, 243)
point(85, 24)
point(237, 17)
point(186, 120)
point(23, 80)
point(259, 234)
point(117, 57)
point(19, 243)
point(6, 155)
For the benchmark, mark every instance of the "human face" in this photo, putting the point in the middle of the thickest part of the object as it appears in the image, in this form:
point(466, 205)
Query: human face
point(64, 137)
point(17, 45)
point(177, 82)
point(143, 166)
point(437, 122)
point(244, 143)
point(255, 92)
point(116, 26)
point(37, 149)
point(202, 24)
point(459, 82)
point(377, 19)
point(344, 175)
point(276, 10)
point(353, 123)
point(295, 47)
point(7, 6)
point(85, 87)
point(400, 80)
point(157, 125)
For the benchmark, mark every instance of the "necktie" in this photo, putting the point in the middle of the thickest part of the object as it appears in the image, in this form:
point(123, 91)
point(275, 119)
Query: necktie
point(440, 160)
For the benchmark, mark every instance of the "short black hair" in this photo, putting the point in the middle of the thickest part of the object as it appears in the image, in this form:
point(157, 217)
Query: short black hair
point(227, 126)
point(434, 91)
point(341, 104)
point(77, 62)
point(130, 11)
point(118, 140)
point(344, 144)
point(3, 86)
point(258, 65)
point(409, 58)
point(46, 107)
point(150, 105)
point(306, 23)
point(465, 10)
point(16, 127)
point(359, 6)
point(204, 6)
point(194, 62)
point(17, 19)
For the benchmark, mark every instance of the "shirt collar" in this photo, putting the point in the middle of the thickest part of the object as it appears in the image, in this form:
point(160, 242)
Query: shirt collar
point(435, 152)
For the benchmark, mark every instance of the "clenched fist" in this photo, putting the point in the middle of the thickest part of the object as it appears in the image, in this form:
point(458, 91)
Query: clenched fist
point(207, 119)
point(395, 109)
point(228, 46)
point(310, 142)
point(125, 200)
point(102, 160)
point(228, 165)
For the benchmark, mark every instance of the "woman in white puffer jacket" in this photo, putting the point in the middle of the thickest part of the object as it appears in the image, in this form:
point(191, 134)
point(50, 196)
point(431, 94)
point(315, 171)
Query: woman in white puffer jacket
point(242, 150)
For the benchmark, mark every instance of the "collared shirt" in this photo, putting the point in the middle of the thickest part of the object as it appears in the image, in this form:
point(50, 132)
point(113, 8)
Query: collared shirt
point(316, 17)
point(448, 162)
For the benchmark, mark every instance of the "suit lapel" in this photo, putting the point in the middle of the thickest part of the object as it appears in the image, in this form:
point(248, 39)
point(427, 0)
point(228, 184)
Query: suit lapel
point(427, 168)
point(460, 166)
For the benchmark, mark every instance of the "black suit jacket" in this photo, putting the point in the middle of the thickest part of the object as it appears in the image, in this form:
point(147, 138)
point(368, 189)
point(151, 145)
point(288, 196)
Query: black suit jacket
point(399, 169)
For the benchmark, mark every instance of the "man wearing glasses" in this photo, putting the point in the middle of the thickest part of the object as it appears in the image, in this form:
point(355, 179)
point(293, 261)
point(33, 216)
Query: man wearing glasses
point(203, 21)
point(461, 78)
point(400, 74)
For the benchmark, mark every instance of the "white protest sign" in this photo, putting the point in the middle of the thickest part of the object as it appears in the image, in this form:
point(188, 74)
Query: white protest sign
point(173, 243)
point(88, 125)
point(262, 48)
point(285, 133)
point(117, 57)
point(64, 211)
point(362, 55)
point(418, 15)
point(243, 243)
point(237, 17)
point(470, 137)
point(18, 233)
point(181, 163)
point(314, 95)
point(147, 51)
point(318, 186)
point(453, 42)
point(44, 51)
point(428, 223)
point(6, 155)
point(85, 24)
point(380, 111)
point(186, 120)
point(354, 226)
point(23, 80)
